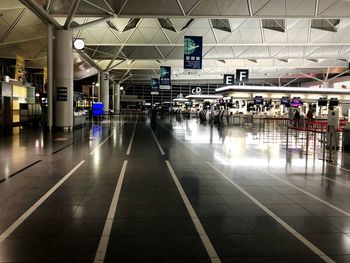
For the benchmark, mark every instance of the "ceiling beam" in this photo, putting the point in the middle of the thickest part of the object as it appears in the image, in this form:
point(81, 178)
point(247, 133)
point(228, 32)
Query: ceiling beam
point(345, 44)
point(99, 7)
point(13, 25)
point(72, 11)
point(93, 23)
point(90, 60)
point(181, 7)
point(194, 8)
point(249, 6)
point(40, 12)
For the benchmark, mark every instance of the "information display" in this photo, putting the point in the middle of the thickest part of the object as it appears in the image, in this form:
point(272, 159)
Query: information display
point(61, 94)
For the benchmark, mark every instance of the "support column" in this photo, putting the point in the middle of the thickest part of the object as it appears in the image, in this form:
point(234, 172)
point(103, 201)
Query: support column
point(63, 79)
point(117, 98)
point(49, 77)
point(104, 87)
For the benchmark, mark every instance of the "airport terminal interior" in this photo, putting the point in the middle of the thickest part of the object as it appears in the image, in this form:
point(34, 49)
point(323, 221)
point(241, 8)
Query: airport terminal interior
point(174, 131)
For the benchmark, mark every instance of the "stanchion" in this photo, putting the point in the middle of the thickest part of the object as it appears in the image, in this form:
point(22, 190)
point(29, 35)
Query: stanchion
point(287, 138)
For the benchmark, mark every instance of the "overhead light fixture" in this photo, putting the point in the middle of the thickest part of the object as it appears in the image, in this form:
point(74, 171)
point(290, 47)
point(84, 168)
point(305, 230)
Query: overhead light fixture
point(79, 44)
point(121, 88)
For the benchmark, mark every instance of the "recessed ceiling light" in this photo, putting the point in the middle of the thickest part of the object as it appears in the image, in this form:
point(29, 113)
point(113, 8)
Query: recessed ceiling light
point(79, 44)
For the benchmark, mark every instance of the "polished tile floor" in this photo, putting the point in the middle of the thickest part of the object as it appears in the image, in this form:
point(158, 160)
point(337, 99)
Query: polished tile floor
point(171, 191)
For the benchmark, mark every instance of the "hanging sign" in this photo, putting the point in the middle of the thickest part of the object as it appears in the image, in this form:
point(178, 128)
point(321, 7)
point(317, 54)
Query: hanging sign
point(165, 78)
point(193, 48)
point(154, 86)
point(20, 68)
point(242, 75)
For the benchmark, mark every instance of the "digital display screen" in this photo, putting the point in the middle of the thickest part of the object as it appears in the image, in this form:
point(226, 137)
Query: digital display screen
point(296, 103)
point(97, 109)
point(258, 100)
point(285, 101)
point(333, 102)
point(322, 102)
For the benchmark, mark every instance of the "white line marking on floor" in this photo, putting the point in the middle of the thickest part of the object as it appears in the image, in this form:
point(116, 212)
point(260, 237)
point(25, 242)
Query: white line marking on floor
point(305, 192)
point(306, 242)
point(159, 146)
point(23, 217)
point(200, 229)
point(132, 138)
point(99, 146)
point(102, 247)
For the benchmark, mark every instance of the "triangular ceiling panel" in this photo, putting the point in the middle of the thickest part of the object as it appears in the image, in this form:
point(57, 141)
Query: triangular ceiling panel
point(97, 33)
point(318, 36)
point(148, 22)
point(300, 7)
point(137, 38)
point(221, 35)
point(124, 36)
point(258, 5)
point(272, 8)
point(154, 8)
point(207, 7)
point(10, 16)
point(148, 34)
point(250, 35)
point(275, 37)
point(160, 38)
point(110, 38)
point(166, 51)
point(179, 23)
point(177, 53)
point(187, 5)
point(234, 38)
point(120, 23)
point(89, 37)
point(236, 7)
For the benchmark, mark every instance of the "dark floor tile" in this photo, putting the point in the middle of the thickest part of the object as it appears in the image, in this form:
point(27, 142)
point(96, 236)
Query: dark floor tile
point(161, 247)
point(330, 243)
point(214, 211)
point(238, 246)
point(310, 224)
point(288, 210)
point(151, 211)
point(284, 245)
point(263, 225)
point(153, 226)
point(224, 226)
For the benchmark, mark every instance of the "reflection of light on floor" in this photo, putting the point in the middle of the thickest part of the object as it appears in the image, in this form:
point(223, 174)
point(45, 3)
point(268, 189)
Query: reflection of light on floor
point(60, 139)
point(248, 161)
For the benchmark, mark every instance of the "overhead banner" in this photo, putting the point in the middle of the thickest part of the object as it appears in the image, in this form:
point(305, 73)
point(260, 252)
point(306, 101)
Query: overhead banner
point(44, 78)
point(20, 68)
point(154, 86)
point(193, 49)
point(165, 78)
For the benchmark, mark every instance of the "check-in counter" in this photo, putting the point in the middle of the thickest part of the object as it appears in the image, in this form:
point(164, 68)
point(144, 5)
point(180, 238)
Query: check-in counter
point(80, 118)
point(346, 139)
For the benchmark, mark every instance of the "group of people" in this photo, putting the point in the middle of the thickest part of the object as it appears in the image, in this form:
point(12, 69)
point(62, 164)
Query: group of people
point(297, 118)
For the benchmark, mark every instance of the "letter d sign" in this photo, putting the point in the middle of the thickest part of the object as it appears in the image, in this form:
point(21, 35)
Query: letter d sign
point(242, 75)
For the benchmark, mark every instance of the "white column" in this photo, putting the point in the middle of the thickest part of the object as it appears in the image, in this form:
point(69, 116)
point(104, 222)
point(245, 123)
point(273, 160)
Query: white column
point(117, 98)
point(63, 79)
point(104, 88)
point(49, 77)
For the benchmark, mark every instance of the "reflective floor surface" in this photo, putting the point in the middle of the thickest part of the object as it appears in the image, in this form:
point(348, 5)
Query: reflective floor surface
point(171, 191)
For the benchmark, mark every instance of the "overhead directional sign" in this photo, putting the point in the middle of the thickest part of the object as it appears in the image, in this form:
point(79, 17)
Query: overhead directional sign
point(229, 79)
point(242, 75)
point(165, 78)
point(193, 49)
